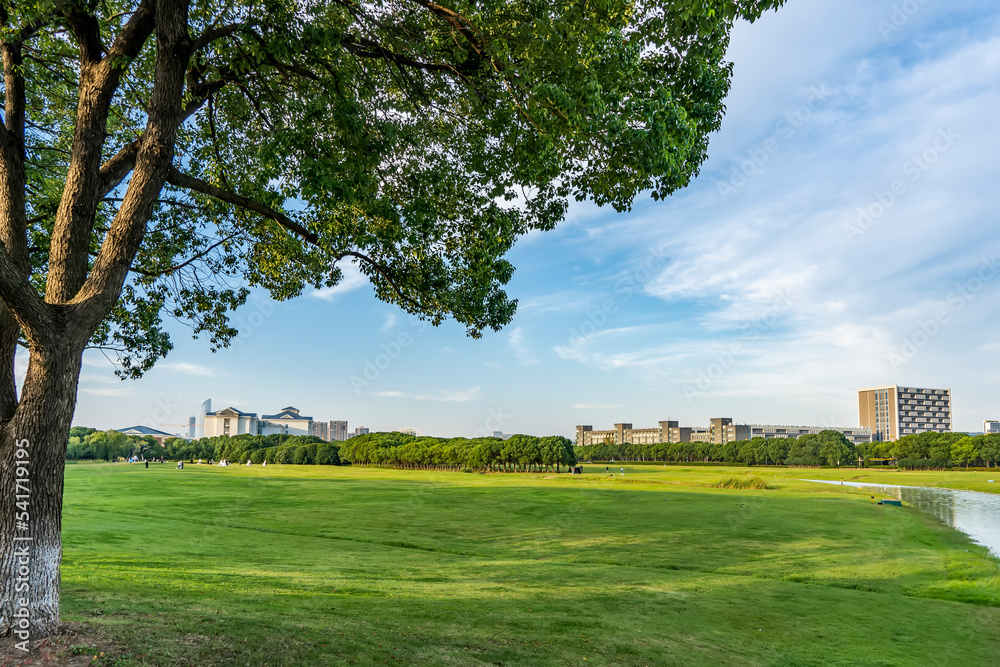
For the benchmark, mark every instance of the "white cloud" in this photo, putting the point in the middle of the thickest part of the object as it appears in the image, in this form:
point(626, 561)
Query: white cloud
point(390, 322)
point(516, 340)
point(108, 391)
point(186, 368)
point(457, 396)
point(352, 280)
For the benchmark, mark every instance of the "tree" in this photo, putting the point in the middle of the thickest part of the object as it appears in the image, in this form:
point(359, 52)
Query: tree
point(990, 449)
point(161, 157)
point(965, 451)
point(834, 447)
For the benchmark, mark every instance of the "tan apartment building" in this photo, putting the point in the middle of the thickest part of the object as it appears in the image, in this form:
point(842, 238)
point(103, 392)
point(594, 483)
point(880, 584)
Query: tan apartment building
point(893, 411)
point(720, 431)
point(622, 434)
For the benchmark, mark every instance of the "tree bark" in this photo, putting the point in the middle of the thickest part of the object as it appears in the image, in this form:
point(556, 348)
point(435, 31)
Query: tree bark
point(32, 456)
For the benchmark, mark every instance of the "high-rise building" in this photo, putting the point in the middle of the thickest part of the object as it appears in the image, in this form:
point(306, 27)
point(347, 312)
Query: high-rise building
point(360, 430)
point(991, 426)
point(893, 411)
point(338, 430)
point(206, 407)
point(191, 427)
point(320, 430)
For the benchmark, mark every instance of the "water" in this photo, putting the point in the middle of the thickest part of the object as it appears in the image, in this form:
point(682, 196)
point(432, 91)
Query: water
point(974, 513)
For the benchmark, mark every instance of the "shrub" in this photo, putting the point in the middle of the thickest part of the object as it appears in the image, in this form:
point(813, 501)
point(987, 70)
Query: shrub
point(742, 483)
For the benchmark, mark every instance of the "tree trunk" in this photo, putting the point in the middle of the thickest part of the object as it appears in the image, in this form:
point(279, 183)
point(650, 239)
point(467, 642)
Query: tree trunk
point(32, 451)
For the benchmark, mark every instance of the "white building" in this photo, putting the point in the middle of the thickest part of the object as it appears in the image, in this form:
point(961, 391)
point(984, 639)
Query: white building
point(287, 421)
point(232, 422)
point(991, 426)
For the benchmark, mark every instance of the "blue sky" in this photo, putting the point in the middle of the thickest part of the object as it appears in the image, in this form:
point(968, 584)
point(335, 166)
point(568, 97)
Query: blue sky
point(841, 235)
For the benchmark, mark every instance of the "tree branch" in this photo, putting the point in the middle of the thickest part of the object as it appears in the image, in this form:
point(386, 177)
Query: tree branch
point(459, 22)
point(383, 271)
point(180, 180)
point(364, 48)
point(133, 35)
point(114, 171)
point(102, 288)
point(30, 29)
point(20, 297)
point(213, 34)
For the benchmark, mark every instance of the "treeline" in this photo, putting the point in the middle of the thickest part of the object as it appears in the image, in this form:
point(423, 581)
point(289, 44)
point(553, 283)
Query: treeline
point(824, 448)
point(938, 450)
point(519, 453)
point(89, 443)
point(832, 448)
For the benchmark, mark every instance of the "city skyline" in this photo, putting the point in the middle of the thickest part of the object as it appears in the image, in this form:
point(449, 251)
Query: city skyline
point(839, 236)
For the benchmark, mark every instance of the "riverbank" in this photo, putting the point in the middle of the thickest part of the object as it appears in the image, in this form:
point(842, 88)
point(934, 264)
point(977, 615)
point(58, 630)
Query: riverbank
point(971, 480)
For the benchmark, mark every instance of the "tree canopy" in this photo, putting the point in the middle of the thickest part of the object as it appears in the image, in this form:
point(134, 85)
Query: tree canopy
point(161, 158)
point(416, 140)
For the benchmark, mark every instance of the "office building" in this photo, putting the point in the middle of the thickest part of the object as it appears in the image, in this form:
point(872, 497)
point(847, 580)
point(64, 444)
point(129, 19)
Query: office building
point(991, 426)
point(360, 430)
point(894, 411)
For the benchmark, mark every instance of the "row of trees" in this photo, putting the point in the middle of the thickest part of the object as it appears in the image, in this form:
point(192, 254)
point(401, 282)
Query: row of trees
point(923, 450)
point(937, 450)
point(89, 443)
point(824, 448)
point(520, 453)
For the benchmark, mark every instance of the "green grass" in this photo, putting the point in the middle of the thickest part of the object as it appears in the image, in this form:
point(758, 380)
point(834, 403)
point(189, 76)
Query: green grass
point(314, 565)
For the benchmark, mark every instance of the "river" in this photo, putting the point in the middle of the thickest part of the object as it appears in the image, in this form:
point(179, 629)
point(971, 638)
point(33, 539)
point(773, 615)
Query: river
point(974, 513)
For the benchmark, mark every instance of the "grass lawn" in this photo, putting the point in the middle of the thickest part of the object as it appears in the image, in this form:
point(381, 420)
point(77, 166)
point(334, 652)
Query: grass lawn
point(317, 565)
